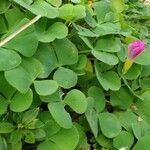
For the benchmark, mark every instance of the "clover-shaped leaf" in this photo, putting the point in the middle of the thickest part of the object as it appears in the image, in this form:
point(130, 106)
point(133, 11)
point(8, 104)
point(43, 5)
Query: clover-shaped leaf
point(22, 76)
point(109, 79)
point(76, 100)
point(66, 52)
point(105, 57)
point(21, 102)
point(57, 30)
point(65, 78)
point(45, 87)
point(9, 59)
point(21, 42)
point(60, 115)
point(39, 8)
point(4, 6)
point(71, 12)
point(109, 124)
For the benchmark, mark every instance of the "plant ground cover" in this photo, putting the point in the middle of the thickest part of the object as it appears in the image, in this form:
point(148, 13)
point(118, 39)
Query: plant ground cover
point(67, 79)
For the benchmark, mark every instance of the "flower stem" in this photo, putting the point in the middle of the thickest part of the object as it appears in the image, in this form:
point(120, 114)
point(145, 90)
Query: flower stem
point(31, 22)
point(127, 65)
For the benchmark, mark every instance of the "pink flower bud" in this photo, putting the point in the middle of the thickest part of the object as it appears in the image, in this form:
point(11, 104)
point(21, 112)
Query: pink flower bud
point(135, 48)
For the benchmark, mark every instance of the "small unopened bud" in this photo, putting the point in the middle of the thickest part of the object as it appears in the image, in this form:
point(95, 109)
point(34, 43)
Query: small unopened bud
point(134, 49)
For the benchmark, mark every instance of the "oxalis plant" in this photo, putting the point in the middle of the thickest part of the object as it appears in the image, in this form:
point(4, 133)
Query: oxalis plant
point(74, 75)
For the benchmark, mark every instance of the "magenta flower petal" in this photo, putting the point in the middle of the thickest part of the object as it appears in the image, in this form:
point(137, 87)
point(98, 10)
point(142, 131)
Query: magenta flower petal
point(135, 48)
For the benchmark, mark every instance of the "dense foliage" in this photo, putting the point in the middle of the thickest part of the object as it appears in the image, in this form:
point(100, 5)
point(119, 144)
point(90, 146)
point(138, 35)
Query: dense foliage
point(61, 81)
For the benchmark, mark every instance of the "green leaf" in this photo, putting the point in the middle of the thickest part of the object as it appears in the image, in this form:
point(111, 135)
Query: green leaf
point(124, 139)
point(83, 143)
point(21, 102)
point(28, 1)
point(108, 80)
point(3, 27)
point(29, 136)
point(4, 6)
point(126, 119)
point(29, 116)
point(84, 32)
point(9, 59)
point(145, 71)
point(143, 107)
point(13, 17)
point(143, 143)
point(89, 18)
point(133, 72)
point(3, 143)
point(15, 136)
point(113, 46)
point(75, 1)
point(71, 12)
point(51, 127)
point(40, 7)
point(103, 141)
point(34, 124)
point(143, 58)
point(145, 83)
point(46, 55)
point(66, 52)
point(33, 67)
point(137, 130)
point(101, 9)
point(81, 64)
point(86, 41)
point(60, 115)
point(21, 42)
point(109, 29)
point(65, 78)
point(55, 3)
point(112, 16)
point(3, 105)
point(45, 87)
point(122, 98)
point(6, 127)
point(143, 126)
point(22, 77)
point(17, 146)
point(39, 134)
point(99, 98)
point(107, 58)
point(104, 67)
point(48, 144)
point(58, 30)
point(76, 100)
point(19, 79)
point(109, 124)
point(45, 117)
point(66, 139)
point(118, 5)
point(55, 97)
point(91, 116)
